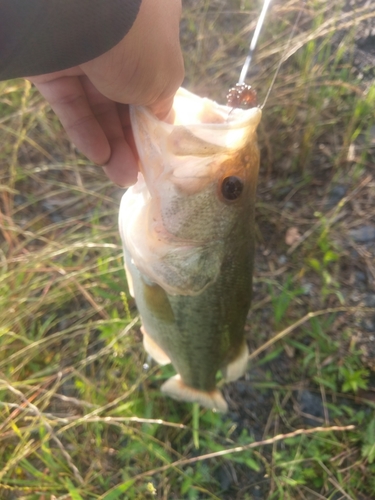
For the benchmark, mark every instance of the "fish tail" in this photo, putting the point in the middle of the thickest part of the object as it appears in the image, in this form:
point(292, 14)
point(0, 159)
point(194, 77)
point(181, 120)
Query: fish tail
point(177, 389)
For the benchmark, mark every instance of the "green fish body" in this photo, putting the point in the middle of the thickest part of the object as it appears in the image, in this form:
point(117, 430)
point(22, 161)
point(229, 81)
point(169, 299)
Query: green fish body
point(187, 228)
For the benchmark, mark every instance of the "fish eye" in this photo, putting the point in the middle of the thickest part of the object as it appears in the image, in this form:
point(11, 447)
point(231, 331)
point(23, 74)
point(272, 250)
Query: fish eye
point(231, 188)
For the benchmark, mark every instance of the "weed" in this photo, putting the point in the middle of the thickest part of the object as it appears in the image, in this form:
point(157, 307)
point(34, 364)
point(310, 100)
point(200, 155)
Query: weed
point(368, 448)
point(282, 301)
point(325, 261)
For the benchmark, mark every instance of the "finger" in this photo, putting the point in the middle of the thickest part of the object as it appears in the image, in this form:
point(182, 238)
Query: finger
point(163, 110)
point(124, 114)
point(121, 167)
point(67, 98)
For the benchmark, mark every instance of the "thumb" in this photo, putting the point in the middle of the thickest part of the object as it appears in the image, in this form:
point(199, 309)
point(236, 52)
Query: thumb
point(163, 109)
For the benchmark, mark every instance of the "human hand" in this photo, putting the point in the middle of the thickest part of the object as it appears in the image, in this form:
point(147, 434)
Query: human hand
point(92, 99)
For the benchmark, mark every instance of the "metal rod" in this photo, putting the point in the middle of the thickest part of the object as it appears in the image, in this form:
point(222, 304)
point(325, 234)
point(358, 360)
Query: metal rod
point(254, 41)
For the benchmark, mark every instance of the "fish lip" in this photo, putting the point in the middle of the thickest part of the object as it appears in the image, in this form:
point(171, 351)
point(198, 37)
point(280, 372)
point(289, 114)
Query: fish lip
point(232, 118)
point(249, 115)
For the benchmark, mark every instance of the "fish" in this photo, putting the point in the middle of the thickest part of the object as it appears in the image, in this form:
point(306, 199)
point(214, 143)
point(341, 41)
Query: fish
point(187, 228)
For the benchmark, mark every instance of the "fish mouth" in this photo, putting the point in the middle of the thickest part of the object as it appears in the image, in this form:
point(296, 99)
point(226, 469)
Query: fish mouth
point(201, 126)
point(178, 204)
point(191, 109)
point(202, 129)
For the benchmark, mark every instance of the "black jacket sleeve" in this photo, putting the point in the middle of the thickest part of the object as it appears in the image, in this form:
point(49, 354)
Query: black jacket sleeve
point(42, 36)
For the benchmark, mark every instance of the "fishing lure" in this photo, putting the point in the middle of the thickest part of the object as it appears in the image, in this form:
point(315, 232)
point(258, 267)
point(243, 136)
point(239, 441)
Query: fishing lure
point(242, 96)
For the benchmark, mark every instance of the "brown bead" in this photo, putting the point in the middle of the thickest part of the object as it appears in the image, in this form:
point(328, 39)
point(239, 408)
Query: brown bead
point(242, 96)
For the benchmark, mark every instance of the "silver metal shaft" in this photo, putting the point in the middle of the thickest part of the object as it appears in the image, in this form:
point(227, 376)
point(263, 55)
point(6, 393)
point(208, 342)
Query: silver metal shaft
point(254, 41)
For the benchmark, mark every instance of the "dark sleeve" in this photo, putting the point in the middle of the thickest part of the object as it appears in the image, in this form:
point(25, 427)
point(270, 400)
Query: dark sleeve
point(42, 36)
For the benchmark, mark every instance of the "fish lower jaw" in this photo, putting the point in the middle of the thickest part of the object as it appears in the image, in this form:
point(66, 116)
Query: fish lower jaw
point(177, 389)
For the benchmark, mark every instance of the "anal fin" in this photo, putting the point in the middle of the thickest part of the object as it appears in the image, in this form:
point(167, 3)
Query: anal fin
point(237, 368)
point(177, 389)
point(152, 348)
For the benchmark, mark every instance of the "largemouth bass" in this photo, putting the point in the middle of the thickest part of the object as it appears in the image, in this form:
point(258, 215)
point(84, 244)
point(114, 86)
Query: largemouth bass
point(187, 228)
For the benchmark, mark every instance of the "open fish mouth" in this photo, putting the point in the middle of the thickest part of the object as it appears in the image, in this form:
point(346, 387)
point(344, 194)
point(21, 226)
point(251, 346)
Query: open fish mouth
point(188, 236)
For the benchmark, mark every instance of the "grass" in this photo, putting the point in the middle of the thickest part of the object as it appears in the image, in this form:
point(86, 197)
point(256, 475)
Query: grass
point(81, 415)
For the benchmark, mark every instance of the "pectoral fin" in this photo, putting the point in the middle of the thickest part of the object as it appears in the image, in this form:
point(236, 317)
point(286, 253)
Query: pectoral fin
point(129, 279)
point(157, 301)
point(237, 368)
point(176, 389)
point(152, 348)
